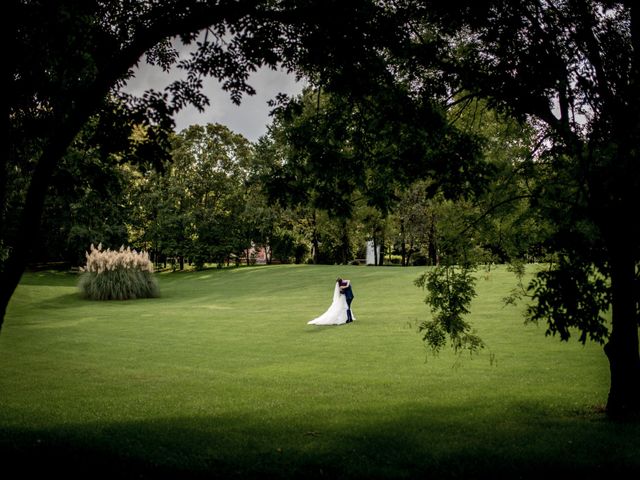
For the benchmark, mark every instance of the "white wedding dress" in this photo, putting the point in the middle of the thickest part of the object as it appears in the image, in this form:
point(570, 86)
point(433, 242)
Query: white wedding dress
point(336, 314)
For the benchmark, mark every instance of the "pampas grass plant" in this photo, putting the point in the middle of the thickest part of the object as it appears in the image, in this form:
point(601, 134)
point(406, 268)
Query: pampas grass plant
point(117, 275)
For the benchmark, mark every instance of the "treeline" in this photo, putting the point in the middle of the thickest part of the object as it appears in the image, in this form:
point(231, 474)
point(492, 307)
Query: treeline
point(220, 199)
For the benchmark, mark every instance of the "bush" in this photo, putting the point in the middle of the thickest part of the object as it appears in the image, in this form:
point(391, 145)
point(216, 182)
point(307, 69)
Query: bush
point(420, 260)
point(117, 275)
point(394, 259)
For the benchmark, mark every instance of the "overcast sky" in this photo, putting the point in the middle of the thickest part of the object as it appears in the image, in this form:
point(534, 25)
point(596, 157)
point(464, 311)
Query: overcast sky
point(249, 119)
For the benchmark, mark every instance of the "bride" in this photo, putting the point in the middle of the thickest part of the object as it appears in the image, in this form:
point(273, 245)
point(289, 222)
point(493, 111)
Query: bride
point(336, 314)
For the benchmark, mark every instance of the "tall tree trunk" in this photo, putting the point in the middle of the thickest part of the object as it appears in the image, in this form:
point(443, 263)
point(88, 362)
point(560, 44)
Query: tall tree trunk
point(314, 240)
point(31, 215)
point(344, 240)
point(403, 248)
point(410, 251)
point(375, 250)
point(433, 246)
point(622, 347)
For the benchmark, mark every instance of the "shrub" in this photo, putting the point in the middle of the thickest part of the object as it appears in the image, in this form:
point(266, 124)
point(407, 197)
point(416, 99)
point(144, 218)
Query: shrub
point(117, 275)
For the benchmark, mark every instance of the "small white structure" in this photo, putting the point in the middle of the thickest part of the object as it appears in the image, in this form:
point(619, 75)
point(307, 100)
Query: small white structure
point(371, 257)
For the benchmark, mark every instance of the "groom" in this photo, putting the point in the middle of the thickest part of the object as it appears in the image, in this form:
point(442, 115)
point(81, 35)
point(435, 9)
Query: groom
point(345, 289)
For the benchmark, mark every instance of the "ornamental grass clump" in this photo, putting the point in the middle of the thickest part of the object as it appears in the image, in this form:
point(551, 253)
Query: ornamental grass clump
point(117, 275)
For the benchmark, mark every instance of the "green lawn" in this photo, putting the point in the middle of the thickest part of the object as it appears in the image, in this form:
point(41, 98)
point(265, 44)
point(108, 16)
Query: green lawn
point(221, 376)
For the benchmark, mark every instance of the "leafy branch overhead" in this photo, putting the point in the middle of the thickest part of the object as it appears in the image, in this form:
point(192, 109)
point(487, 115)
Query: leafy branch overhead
point(450, 291)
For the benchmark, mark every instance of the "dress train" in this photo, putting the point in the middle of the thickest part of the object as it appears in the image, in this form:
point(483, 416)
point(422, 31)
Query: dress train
point(336, 314)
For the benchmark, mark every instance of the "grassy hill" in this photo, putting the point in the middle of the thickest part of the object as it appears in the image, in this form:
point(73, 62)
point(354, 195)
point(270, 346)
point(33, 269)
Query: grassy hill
point(222, 377)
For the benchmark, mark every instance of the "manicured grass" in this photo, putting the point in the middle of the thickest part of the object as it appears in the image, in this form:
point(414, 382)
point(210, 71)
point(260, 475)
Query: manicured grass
point(221, 376)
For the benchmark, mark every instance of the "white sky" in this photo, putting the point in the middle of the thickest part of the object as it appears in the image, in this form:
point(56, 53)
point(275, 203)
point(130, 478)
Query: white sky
point(249, 119)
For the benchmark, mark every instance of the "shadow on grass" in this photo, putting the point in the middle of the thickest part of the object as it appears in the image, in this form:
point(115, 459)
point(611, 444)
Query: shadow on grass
point(586, 447)
point(62, 301)
point(50, 278)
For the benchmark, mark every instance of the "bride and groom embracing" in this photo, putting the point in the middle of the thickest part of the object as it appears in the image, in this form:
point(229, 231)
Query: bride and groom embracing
point(340, 310)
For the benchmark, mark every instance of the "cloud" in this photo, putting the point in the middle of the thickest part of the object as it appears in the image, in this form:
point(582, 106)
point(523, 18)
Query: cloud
point(250, 118)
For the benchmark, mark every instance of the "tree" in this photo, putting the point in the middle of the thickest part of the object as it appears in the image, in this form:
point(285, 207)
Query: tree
point(211, 165)
point(571, 69)
point(497, 226)
point(68, 58)
point(416, 224)
point(84, 202)
point(160, 215)
point(373, 141)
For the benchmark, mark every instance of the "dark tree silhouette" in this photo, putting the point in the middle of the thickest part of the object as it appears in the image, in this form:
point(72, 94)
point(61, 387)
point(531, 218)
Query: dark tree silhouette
point(66, 63)
point(572, 69)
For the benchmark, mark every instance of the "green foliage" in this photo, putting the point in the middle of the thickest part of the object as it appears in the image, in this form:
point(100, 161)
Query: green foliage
point(414, 219)
point(117, 275)
point(196, 208)
point(84, 202)
point(376, 142)
point(571, 295)
point(450, 290)
point(570, 70)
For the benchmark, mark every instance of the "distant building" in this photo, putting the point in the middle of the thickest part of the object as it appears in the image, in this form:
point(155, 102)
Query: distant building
point(371, 256)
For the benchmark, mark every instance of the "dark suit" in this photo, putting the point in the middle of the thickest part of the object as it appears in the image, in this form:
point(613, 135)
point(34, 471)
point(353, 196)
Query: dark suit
point(348, 293)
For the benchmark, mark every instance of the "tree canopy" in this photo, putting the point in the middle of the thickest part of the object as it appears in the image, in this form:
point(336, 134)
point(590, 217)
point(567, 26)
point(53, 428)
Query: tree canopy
point(571, 69)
